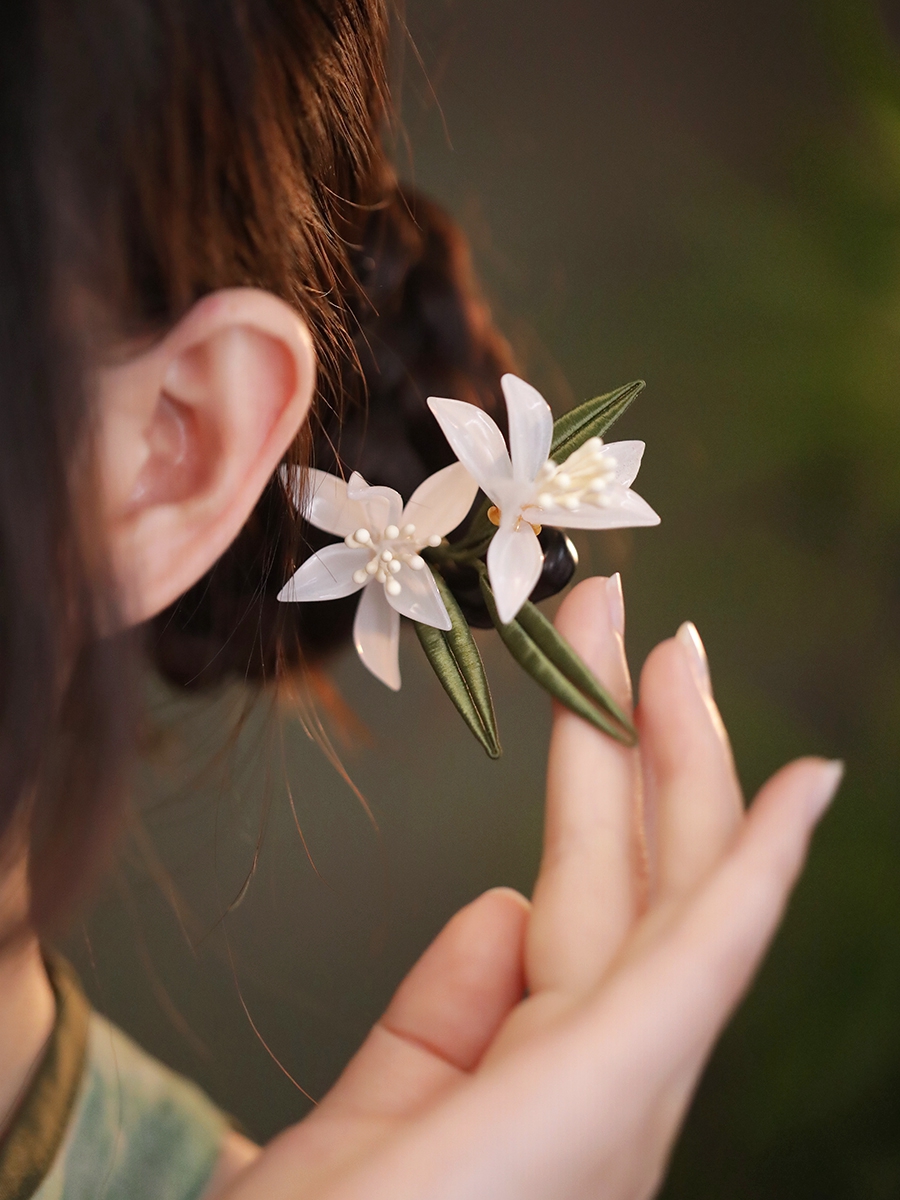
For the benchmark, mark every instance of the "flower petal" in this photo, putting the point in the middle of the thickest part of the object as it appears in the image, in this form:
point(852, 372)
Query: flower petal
point(327, 575)
point(419, 599)
point(325, 502)
point(382, 505)
point(376, 635)
point(628, 457)
point(514, 562)
point(625, 510)
point(476, 441)
point(530, 427)
point(441, 502)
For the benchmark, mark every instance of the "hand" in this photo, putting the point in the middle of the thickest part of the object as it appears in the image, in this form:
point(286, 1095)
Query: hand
point(656, 898)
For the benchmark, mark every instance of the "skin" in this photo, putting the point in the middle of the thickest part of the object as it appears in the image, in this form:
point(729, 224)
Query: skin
point(542, 1050)
point(26, 999)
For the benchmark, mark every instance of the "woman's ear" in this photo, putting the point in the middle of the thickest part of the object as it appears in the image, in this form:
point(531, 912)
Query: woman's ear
point(190, 432)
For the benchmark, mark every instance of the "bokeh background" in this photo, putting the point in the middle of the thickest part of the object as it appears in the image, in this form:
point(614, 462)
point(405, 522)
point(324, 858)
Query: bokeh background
point(705, 195)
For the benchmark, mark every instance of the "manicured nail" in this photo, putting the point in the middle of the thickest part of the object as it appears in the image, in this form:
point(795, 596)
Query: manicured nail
point(616, 601)
point(696, 655)
point(825, 787)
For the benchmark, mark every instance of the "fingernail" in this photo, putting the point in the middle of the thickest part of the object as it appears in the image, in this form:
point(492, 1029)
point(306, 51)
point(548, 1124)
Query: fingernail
point(616, 601)
point(696, 654)
point(825, 788)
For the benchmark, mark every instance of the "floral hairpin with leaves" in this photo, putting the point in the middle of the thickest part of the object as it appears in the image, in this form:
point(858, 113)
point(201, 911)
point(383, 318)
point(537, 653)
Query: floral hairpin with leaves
point(560, 475)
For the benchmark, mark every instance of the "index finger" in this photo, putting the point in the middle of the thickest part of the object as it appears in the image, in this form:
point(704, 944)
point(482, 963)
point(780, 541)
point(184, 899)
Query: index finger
point(586, 894)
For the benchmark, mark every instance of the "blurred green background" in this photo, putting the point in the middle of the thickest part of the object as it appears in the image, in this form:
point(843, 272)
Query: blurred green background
point(707, 196)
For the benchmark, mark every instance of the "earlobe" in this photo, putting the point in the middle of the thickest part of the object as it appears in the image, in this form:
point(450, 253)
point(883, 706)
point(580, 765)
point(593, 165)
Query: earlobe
point(191, 432)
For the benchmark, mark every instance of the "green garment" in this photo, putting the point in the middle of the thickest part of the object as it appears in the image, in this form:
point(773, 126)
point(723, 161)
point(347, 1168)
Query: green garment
point(102, 1120)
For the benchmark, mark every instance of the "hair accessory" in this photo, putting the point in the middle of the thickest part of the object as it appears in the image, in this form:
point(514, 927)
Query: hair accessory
point(557, 474)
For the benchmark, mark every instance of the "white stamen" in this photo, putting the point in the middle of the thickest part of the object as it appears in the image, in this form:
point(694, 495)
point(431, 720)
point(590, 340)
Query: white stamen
point(435, 540)
point(386, 555)
point(351, 541)
point(363, 536)
point(583, 479)
point(395, 567)
point(408, 530)
point(372, 566)
point(393, 588)
point(360, 576)
point(391, 533)
point(417, 562)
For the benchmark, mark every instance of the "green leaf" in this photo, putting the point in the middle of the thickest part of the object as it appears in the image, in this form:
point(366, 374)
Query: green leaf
point(591, 419)
point(455, 660)
point(561, 654)
point(564, 675)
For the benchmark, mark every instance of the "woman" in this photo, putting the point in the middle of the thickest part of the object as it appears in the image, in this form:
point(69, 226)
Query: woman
point(202, 253)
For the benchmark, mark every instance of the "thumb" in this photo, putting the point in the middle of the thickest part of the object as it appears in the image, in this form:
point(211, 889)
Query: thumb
point(444, 1015)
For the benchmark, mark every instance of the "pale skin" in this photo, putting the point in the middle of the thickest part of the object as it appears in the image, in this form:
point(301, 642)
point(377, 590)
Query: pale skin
point(542, 1050)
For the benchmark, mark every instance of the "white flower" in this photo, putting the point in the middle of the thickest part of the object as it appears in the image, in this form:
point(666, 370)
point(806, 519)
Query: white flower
point(379, 554)
point(590, 490)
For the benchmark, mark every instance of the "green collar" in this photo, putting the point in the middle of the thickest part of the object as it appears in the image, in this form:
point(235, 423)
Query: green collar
point(36, 1131)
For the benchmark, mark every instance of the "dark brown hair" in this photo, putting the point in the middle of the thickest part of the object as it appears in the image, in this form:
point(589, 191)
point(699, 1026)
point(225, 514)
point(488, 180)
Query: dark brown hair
point(152, 151)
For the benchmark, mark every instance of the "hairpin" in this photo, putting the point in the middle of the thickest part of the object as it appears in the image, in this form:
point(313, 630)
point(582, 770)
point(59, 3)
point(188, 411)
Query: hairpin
point(559, 475)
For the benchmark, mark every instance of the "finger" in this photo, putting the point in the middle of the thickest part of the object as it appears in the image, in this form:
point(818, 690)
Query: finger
point(755, 879)
point(444, 1014)
point(465, 983)
point(703, 955)
point(693, 801)
point(584, 899)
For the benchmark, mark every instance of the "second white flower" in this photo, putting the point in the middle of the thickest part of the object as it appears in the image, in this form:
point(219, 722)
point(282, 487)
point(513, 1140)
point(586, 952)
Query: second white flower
point(590, 490)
